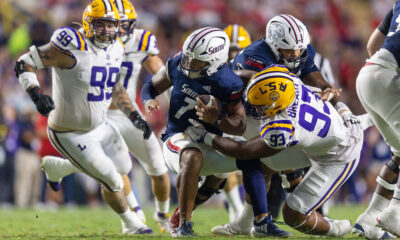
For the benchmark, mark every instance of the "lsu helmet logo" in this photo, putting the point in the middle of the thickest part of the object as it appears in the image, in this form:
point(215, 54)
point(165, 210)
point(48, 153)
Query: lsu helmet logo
point(274, 96)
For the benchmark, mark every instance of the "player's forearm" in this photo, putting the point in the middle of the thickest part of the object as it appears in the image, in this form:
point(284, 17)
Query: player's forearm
point(233, 124)
point(233, 148)
point(121, 99)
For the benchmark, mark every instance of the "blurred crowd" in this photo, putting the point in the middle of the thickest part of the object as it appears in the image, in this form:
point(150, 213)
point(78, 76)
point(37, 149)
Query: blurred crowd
point(338, 33)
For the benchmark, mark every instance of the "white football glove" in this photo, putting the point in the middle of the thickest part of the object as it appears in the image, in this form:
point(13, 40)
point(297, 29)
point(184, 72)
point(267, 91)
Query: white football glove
point(347, 115)
point(199, 134)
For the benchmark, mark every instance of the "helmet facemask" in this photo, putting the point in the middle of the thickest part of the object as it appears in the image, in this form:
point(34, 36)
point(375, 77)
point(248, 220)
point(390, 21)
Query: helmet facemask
point(126, 28)
point(104, 31)
point(193, 68)
point(292, 63)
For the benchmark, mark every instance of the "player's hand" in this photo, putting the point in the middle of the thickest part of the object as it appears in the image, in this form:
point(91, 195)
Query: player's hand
point(329, 93)
point(207, 114)
point(141, 124)
point(151, 105)
point(349, 117)
point(44, 103)
point(198, 133)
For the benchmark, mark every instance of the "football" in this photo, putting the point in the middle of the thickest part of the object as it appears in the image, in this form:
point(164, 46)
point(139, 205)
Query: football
point(207, 99)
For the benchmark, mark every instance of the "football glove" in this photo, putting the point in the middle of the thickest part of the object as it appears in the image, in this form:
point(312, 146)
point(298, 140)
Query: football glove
point(141, 124)
point(199, 134)
point(347, 115)
point(44, 103)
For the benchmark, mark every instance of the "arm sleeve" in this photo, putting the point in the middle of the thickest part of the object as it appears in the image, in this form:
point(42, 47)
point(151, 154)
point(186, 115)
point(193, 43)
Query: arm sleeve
point(385, 23)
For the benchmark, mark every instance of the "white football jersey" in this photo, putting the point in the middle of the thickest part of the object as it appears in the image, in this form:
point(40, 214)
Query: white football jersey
point(309, 123)
point(137, 48)
point(82, 93)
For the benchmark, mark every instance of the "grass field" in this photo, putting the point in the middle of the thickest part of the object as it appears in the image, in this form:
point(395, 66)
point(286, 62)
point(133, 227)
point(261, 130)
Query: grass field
point(102, 223)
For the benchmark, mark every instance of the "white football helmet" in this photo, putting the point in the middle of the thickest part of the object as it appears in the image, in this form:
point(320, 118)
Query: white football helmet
point(287, 32)
point(204, 51)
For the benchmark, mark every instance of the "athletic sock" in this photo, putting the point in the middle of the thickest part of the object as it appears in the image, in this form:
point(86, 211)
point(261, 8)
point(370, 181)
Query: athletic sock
point(233, 198)
point(132, 202)
point(377, 204)
point(162, 206)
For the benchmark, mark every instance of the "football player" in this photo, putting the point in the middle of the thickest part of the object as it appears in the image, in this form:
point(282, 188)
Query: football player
point(85, 68)
point(140, 49)
point(378, 90)
point(287, 42)
point(200, 68)
point(296, 121)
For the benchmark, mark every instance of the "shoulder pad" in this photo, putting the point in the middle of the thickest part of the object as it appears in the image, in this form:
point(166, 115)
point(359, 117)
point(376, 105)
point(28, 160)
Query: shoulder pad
point(65, 39)
point(147, 42)
point(278, 134)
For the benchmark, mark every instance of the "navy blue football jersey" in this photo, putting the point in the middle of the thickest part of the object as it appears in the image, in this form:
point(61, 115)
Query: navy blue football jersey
point(394, 24)
point(392, 45)
point(225, 85)
point(259, 55)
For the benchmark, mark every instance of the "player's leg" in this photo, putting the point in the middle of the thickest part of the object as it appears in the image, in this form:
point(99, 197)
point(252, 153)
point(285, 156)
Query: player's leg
point(232, 196)
point(381, 107)
point(149, 154)
point(85, 151)
point(256, 187)
point(131, 199)
point(389, 218)
point(318, 185)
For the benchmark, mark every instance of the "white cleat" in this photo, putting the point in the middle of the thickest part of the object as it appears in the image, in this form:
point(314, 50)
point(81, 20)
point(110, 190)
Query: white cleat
point(162, 220)
point(230, 229)
point(50, 168)
point(342, 227)
point(365, 226)
point(139, 213)
point(389, 220)
point(139, 228)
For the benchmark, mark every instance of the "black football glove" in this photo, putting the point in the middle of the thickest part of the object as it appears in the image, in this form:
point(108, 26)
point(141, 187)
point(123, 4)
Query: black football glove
point(141, 124)
point(44, 103)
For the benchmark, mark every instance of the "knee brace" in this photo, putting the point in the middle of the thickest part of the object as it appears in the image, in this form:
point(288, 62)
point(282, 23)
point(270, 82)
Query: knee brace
point(206, 191)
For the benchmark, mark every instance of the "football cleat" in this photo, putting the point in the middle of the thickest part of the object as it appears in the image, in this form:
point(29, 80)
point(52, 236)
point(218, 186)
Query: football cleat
point(174, 223)
point(365, 226)
point(162, 220)
point(342, 226)
point(49, 167)
point(140, 228)
point(267, 228)
point(185, 230)
point(389, 219)
point(139, 213)
point(230, 229)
